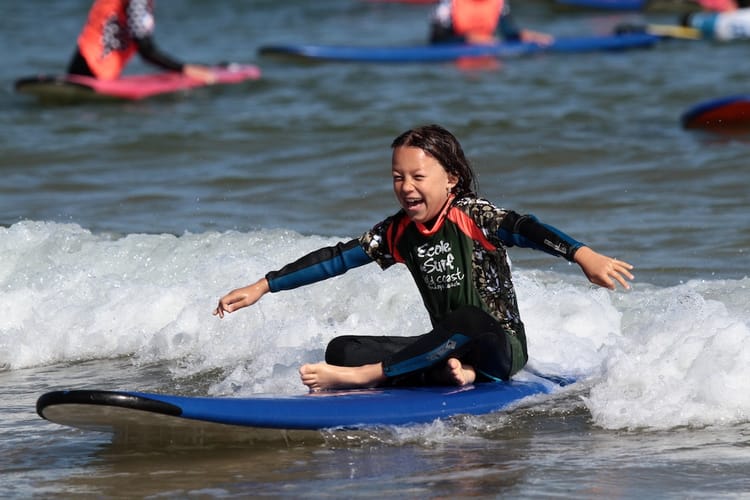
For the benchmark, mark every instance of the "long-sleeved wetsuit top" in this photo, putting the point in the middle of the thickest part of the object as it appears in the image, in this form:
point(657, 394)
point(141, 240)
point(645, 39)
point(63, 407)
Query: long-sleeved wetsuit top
point(461, 260)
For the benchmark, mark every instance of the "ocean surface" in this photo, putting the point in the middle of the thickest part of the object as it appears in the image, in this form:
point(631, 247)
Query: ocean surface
point(122, 224)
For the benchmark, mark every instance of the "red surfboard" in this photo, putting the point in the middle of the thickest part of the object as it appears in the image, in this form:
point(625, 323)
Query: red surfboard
point(724, 113)
point(131, 87)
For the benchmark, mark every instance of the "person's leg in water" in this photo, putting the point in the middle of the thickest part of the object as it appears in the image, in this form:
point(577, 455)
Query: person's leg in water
point(439, 356)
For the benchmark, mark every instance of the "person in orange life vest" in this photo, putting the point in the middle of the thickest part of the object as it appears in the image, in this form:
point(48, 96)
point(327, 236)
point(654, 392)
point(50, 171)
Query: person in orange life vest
point(454, 244)
point(114, 31)
point(479, 21)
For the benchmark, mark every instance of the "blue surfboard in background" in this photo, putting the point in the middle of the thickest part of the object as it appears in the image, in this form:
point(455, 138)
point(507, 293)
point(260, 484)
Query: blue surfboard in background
point(619, 5)
point(451, 52)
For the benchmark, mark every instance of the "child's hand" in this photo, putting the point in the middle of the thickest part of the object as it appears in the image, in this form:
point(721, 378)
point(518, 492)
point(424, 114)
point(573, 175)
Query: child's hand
point(198, 72)
point(602, 270)
point(241, 297)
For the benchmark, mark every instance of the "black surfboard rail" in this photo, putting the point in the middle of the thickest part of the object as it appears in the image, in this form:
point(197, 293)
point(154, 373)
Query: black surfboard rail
point(104, 398)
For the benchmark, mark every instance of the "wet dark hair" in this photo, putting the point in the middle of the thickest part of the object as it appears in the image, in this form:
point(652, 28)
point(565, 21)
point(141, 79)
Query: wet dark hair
point(445, 148)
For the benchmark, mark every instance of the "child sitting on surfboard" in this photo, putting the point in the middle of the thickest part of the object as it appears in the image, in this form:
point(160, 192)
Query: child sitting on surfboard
point(479, 22)
point(114, 31)
point(454, 244)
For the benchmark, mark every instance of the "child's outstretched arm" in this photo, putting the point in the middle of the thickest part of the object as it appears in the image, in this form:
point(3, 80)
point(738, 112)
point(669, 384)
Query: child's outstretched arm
point(242, 297)
point(602, 270)
point(528, 232)
point(316, 266)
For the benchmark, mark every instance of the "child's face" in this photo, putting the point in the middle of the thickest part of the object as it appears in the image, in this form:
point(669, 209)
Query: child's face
point(420, 182)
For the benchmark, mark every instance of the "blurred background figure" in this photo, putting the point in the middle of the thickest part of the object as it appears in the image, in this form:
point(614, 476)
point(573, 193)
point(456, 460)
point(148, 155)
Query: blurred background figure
point(721, 19)
point(114, 31)
point(479, 21)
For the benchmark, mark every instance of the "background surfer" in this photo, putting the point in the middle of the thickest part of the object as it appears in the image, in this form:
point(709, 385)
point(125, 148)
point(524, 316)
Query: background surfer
point(114, 31)
point(479, 21)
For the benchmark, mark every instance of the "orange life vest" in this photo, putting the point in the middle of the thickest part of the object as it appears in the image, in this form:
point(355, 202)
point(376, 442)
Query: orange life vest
point(105, 41)
point(476, 17)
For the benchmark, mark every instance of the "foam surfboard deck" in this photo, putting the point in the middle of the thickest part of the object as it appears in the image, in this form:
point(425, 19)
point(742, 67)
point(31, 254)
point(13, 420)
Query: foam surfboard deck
point(124, 413)
point(725, 112)
point(662, 30)
point(131, 87)
point(451, 52)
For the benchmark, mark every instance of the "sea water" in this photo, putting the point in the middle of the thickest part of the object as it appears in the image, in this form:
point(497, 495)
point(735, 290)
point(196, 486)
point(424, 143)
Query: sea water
point(121, 226)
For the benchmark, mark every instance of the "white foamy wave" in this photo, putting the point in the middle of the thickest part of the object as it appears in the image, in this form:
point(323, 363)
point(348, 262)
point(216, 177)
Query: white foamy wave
point(685, 360)
point(69, 295)
point(652, 357)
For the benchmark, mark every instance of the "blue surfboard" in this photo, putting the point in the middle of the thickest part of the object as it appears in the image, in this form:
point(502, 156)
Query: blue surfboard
point(618, 5)
point(632, 5)
point(452, 52)
point(722, 113)
point(140, 413)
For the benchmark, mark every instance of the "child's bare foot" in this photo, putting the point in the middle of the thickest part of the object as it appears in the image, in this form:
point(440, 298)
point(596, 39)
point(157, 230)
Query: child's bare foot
point(458, 373)
point(322, 376)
